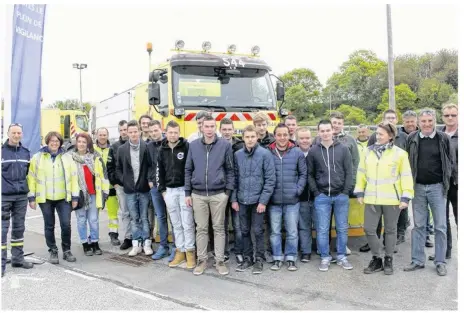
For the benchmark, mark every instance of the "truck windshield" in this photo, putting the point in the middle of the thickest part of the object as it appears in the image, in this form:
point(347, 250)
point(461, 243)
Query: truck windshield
point(203, 85)
point(82, 122)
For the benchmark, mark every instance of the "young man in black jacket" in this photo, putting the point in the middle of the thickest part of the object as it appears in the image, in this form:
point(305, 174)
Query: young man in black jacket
point(15, 167)
point(209, 181)
point(171, 176)
point(123, 211)
point(134, 170)
point(330, 178)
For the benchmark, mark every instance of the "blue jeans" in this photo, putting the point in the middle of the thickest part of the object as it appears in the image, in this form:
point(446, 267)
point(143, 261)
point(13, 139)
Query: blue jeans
point(138, 210)
point(425, 196)
point(161, 215)
point(88, 215)
point(322, 208)
point(291, 215)
point(305, 227)
point(238, 241)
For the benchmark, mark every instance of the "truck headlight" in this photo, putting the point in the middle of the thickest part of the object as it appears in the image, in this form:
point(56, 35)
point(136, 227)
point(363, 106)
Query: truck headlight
point(179, 44)
point(231, 48)
point(206, 46)
point(255, 50)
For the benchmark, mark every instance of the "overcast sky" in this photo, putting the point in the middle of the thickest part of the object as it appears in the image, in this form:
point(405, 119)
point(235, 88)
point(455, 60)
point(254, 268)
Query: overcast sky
point(112, 40)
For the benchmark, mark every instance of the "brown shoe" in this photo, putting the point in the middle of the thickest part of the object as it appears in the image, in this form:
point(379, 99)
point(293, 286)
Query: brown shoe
point(191, 261)
point(179, 258)
point(222, 268)
point(200, 268)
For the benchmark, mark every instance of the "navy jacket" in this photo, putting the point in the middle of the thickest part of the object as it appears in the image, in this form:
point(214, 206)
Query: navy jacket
point(254, 176)
point(15, 167)
point(291, 174)
point(209, 169)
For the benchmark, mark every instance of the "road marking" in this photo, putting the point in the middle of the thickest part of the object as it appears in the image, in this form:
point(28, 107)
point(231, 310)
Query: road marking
point(80, 275)
point(145, 295)
point(33, 216)
point(15, 278)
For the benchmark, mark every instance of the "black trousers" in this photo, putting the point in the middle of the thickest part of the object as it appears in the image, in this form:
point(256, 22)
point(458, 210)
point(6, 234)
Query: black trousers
point(453, 200)
point(13, 210)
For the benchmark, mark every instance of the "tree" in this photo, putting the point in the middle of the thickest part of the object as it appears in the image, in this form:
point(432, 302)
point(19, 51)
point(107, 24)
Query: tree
point(70, 104)
point(405, 99)
point(297, 100)
point(302, 76)
point(353, 115)
point(432, 93)
point(360, 82)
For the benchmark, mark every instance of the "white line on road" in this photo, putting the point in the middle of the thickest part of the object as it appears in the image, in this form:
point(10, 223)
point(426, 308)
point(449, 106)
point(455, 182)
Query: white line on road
point(33, 216)
point(148, 296)
point(80, 275)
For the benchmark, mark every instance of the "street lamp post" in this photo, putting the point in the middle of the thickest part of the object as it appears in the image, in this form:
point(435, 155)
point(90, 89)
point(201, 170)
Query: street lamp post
point(80, 67)
point(391, 73)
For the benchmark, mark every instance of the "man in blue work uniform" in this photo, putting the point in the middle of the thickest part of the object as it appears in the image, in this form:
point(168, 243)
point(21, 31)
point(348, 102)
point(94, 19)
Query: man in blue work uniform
point(15, 167)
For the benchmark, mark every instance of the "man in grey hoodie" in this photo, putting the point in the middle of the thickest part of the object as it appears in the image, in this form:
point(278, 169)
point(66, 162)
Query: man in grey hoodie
point(330, 179)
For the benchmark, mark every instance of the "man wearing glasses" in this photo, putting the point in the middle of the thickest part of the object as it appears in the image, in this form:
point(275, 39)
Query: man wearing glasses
point(15, 167)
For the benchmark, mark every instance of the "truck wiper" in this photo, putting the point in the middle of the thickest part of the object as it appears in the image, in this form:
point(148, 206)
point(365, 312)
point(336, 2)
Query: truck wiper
point(215, 107)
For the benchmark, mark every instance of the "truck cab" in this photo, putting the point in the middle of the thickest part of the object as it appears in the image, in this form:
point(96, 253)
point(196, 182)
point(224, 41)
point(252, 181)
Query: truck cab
point(226, 84)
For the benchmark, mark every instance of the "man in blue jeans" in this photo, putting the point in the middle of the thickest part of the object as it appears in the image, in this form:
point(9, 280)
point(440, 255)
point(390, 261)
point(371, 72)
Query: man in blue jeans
point(291, 176)
point(330, 178)
point(134, 170)
point(431, 166)
point(154, 146)
point(254, 185)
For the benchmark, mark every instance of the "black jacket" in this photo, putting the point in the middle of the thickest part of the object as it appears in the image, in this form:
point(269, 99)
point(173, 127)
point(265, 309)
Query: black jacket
point(153, 149)
point(454, 154)
point(171, 165)
point(306, 195)
point(111, 162)
point(209, 169)
point(400, 140)
point(330, 170)
point(267, 140)
point(15, 167)
point(237, 144)
point(412, 148)
point(125, 173)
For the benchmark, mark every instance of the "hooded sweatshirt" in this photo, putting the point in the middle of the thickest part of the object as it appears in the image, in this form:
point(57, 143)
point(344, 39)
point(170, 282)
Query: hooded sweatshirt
point(171, 164)
point(330, 170)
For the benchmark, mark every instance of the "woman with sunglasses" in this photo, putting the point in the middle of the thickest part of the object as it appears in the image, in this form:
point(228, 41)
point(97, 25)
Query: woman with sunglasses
point(384, 183)
point(53, 184)
point(94, 189)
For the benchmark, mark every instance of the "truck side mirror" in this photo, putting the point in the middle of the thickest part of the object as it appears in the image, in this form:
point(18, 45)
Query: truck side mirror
point(280, 91)
point(67, 126)
point(154, 95)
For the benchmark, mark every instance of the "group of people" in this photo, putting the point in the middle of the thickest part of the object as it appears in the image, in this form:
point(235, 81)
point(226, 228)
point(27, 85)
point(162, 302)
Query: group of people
point(266, 183)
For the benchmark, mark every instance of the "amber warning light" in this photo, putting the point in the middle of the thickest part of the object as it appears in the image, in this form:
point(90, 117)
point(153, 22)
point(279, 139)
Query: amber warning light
point(149, 47)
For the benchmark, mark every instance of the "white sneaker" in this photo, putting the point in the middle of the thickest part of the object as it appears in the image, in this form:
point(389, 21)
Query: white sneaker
point(147, 247)
point(348, 251)
point(136, 248)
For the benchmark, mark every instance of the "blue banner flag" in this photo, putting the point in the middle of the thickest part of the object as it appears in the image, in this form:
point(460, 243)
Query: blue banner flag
point(26, 65)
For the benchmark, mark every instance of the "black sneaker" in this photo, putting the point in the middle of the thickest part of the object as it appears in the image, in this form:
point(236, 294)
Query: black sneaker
point(244, 266)
point(226, 259)
point(441, 270)
point(365, 248)
point(291, 266)
point(68, 256)
point(388, 265)
point(400, 239)
point(96, 248)
point(258, 267)
point(25, 265)
point(53, 259)
point(126, 244)
point(114, 239)
point(305, 258)
point(276, 266)
point(87, 249)
point(375, 265)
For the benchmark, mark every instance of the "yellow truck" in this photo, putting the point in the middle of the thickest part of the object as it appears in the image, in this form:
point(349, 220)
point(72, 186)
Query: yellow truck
point(227, 84)
point(67, 122)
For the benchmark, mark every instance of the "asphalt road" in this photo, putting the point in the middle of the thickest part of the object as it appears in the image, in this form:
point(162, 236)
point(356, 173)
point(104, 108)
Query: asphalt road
point(99, 283)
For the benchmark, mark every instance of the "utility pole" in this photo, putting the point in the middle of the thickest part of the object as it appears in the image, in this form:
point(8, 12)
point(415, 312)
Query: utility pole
point(391, 74)
point(80, 67)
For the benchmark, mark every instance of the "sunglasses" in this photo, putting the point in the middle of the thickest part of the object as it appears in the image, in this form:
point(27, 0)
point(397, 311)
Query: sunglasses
point(450, 115)
point(15, 124)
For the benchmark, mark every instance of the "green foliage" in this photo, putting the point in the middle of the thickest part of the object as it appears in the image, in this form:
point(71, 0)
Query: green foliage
point(297, 101)
point(70, 104)
point(302, 76)
point(353, 115)
point(433, 93)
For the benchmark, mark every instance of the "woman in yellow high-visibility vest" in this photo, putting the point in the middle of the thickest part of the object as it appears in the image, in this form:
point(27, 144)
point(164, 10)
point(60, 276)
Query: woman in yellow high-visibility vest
point(384, 183)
